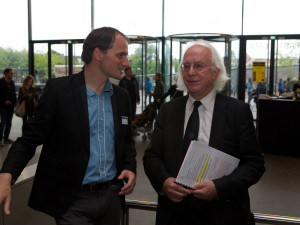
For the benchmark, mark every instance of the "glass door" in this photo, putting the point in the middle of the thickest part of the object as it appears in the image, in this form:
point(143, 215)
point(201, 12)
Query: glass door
point(66, 58)
point(257, 51)
point(41, 73)
point(77, 63)
point(145, 60)
point(280, 58)
point(286, 66)
point(59, 60)
point(54, 58)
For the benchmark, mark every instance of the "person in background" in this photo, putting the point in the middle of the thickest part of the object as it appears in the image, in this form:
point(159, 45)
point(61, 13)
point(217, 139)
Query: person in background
point(280, 86)
point(29, 94)
point(224, 123)
point(249, 89)
point(8, 101)
point(84, 124)
point(129, 83)
point(288, 85)
point(148, 88)
point(296, 90)
point(158, 90)
point(173, 92)
point(260, 89)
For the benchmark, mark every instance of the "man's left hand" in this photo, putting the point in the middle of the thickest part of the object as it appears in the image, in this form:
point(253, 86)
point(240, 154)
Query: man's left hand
point(131, 180)
point(206, 190)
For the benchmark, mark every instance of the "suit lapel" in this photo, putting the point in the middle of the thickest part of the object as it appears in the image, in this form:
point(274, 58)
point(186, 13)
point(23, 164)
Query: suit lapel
point(218, 121)
point(79, 90)
point(179, 116)
point(115, 114)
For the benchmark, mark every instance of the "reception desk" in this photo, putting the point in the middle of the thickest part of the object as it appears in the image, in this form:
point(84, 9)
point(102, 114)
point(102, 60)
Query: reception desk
point(278, 126)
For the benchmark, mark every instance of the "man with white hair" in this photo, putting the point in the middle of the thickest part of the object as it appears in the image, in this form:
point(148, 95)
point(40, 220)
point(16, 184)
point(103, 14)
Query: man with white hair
point(223, 123)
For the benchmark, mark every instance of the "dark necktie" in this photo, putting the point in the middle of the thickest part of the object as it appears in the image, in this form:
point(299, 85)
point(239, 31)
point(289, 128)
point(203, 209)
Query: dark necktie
point(192, 127)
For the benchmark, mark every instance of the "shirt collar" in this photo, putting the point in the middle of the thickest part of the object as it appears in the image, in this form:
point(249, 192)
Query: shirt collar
point(108, 88)
point(207, 101)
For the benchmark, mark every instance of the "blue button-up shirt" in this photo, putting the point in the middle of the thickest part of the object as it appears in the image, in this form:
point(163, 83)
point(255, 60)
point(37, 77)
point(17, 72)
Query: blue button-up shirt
point(102, 163)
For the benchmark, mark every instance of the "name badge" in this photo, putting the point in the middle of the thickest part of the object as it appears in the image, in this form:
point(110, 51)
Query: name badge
point(124, 120)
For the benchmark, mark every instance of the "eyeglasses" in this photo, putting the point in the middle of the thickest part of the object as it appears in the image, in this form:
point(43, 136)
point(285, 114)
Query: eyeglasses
point(196, 66)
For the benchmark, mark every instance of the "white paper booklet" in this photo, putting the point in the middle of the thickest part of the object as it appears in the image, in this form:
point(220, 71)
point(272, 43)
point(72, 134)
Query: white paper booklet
point(203, 162)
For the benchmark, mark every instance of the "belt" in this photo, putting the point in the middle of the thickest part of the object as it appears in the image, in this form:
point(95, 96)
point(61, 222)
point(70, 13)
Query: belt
point(96, 186)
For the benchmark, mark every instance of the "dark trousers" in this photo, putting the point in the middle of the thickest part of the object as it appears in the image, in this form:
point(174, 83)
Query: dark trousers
point(189, 211)
point(6, 114)
point(101, 207)
point(200, 212)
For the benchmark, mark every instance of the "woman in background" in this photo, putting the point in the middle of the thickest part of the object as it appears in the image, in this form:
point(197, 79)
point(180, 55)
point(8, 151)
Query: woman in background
point(28, 93)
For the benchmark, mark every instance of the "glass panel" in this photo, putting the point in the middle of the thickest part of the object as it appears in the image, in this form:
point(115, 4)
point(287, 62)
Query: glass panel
point(151, 66)
point(257, 51)
point(14, 39)
point(167, 64)
point(77, 62)
point(56, 19)
point(151, 58)
point(135, 56)
point(235, 49)
point(59, 60)
point(192, 16)
point(287, 65)
point(130, 17)
point(283, 17)
point(175, 64)
point(41, 63)
point(137, 60)
point(14, 25)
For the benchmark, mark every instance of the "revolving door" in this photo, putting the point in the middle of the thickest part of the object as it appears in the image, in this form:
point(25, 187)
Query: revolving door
point(145, 56)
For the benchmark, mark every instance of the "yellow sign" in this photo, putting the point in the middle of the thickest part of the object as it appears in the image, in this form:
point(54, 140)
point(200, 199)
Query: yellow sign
point(259, 69)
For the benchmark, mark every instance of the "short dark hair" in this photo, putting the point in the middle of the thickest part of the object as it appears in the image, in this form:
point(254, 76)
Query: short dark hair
point(102, 38)
point(6, 71)
point(159, 75)
point(126, 69)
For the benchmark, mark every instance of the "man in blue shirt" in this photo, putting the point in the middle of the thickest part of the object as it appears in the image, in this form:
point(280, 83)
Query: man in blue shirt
point(249, 89)
point(84, 124)
point(280, 86)
point(148, 88)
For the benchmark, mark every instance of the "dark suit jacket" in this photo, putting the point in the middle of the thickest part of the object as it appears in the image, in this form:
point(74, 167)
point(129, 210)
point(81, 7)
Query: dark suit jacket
point(62, 126)
point(232, 132)
point(7, 94)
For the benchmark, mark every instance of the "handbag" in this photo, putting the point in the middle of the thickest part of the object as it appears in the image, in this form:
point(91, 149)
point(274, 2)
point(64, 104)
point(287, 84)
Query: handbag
point(20, 109)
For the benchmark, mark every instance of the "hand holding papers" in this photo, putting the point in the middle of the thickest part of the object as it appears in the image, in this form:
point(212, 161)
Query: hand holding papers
point(203, 162)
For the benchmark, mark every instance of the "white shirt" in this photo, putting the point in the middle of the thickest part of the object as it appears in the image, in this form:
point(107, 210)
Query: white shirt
point(205, 115)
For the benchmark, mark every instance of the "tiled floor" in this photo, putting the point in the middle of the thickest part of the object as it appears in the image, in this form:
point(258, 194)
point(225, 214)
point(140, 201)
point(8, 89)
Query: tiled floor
point(277, 193)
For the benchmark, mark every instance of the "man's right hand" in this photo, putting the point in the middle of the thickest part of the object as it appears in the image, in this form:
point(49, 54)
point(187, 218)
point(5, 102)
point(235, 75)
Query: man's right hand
point(174, 191)
point(5, 191)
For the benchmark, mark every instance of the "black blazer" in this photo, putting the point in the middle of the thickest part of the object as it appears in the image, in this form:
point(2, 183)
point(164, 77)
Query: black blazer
point(62, 126)
point(232, 132)
point(7, 94)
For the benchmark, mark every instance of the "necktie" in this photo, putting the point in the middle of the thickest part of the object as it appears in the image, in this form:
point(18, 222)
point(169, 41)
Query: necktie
point(192, 127)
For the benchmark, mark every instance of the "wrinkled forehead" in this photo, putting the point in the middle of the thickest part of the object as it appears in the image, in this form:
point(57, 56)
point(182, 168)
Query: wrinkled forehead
point(197, 53)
